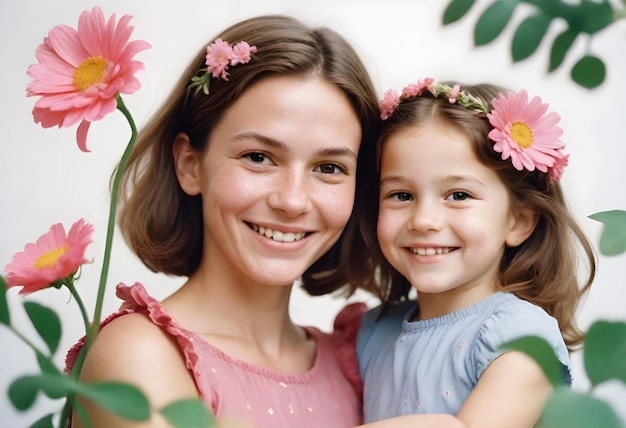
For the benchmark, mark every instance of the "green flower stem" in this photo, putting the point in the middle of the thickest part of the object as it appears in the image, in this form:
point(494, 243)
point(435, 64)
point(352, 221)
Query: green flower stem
point(79, 302)
point(92, 331)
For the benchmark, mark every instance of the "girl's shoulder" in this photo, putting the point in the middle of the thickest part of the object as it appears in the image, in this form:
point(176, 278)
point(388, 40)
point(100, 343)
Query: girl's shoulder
point(514, 318)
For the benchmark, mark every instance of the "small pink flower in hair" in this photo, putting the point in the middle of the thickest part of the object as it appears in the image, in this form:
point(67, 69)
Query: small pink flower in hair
point(218, 57)
point(389, 103)
point(556, 171)
point(241, 53)
point(413, 89)
point(454, 94)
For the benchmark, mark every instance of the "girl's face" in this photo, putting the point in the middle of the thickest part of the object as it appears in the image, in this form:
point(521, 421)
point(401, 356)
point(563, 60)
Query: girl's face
point(277, 179)
point(444, 217)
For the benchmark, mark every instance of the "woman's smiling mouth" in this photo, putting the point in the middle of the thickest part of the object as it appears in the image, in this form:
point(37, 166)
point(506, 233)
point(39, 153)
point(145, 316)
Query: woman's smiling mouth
point(277, 235)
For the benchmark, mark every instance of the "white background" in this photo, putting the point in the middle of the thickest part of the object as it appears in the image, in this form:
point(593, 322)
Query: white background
point(45, 179)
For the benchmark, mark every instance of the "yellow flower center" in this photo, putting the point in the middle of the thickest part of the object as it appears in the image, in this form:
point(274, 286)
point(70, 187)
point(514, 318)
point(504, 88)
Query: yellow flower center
point(89, 72)
point(50, 258)
point(522, 134)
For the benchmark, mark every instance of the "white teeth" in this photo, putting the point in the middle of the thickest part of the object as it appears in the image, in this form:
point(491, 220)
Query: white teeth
point(430, 251)
point(277, 235)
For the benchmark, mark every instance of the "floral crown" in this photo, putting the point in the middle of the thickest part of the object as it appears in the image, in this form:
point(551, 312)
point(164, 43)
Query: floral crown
point(521, 130)
point(219, 56)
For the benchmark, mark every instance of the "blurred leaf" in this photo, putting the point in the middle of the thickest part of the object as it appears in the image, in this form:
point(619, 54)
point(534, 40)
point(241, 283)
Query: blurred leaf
point(596, 15)
point(119, 398)
point(47, 324)
point(23, 391)
point(528, 36)
point(493, 20)
point(605, 352)
point(455, 10)
point(540, 350)
point(567, 408)
point(190, 413)
point(560, 46)
point(589, 72)
point(55, 385)
point(5, 318)
point(45, 422)
point(613, 238)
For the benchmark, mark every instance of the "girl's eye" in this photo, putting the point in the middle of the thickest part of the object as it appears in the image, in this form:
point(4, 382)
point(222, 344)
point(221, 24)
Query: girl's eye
point(402, 196)
point(330, 168)
point(458, 196)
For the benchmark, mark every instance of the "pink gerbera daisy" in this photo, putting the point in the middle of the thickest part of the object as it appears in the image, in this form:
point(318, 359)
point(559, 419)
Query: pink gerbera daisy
point(80, 72)
point(524, 132)
point(53, 257)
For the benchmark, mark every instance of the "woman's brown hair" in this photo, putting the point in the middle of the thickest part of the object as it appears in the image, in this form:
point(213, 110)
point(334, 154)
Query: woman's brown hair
point(161, 223)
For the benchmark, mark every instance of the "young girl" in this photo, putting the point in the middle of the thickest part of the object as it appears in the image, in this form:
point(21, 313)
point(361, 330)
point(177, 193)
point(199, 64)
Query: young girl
point(472, 217)
point(243, 182)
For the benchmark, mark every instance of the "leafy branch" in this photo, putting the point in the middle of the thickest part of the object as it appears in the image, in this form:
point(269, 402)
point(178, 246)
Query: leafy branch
point(584, 19)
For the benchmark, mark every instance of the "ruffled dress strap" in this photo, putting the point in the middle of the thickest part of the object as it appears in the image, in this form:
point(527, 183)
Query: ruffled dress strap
point(346, 327)
point(135, 298)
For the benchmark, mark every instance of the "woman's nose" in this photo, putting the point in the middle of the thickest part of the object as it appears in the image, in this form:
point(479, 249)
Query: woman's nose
point(291, 193)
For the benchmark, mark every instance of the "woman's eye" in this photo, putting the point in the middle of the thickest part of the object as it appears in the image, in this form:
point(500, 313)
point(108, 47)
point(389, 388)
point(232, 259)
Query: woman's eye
point(458, 196)
point(256, 157)
point(402, 196)
point(330, 168)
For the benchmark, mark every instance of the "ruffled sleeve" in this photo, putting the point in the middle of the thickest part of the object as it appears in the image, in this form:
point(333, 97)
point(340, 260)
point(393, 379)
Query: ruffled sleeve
point(512, 322)
point(344, 335)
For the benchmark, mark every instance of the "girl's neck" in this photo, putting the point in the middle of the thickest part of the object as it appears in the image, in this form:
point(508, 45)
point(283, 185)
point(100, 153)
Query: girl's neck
point(433, 305)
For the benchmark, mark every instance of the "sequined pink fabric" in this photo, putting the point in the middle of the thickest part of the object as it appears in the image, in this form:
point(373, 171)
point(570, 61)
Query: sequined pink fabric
point(328, 395)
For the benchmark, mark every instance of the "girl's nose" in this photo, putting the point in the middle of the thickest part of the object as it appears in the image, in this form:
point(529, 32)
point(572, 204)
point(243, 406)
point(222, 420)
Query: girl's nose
point(290, 194)
point(425, 217)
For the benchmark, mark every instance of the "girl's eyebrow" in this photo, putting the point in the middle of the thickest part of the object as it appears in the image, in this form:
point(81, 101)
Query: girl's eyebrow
point(279, 145)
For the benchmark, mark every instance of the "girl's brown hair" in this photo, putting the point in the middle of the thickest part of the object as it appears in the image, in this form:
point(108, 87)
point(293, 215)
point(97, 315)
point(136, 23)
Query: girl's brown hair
point(543, 270)
point(161, 223)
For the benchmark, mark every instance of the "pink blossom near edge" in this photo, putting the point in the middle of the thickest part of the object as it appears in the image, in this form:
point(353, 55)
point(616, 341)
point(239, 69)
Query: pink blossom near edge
point(53, 257)
point(81, 71)
point(544, 149)
point(389, 103)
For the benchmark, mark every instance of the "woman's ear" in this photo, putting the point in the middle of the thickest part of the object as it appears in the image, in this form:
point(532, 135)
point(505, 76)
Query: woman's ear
point(187, 162)
point(524, 221)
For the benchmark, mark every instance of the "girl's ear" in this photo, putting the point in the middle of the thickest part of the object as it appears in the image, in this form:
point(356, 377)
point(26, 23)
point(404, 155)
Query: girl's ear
point(187, 162)
point(524, 221)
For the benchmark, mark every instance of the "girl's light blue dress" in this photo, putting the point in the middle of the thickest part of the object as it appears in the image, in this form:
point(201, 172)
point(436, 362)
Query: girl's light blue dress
point(431, 366)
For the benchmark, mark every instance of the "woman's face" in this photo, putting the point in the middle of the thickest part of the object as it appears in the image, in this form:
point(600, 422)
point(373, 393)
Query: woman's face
point(278, 179)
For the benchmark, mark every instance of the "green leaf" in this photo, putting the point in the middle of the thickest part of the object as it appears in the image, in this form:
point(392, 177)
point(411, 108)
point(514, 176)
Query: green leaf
point(604, 352)
point(528, 36)
point(455, 10)
point(571, 409)
point(5, 317)
point(23, 391)
point(119, 398)
point(492, 21)
point(596, 15)
point(45, 422)
point(54, 384)
point(190, 413)
point(589, 72)
point(47, 324)
point(540, 350)
point(560, 46)
point(613, 238)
